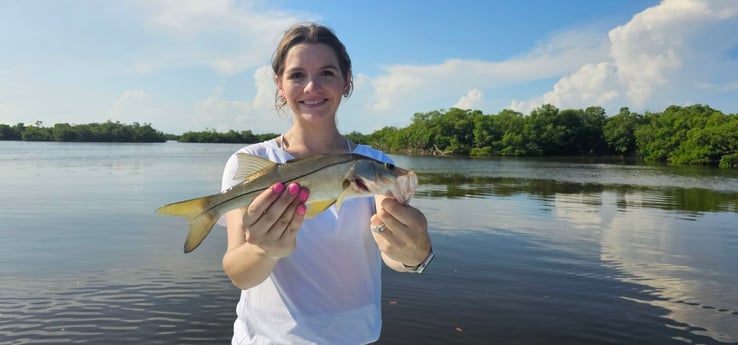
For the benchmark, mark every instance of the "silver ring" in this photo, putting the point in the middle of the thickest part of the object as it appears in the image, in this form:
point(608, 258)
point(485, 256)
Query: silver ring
point(379, 228)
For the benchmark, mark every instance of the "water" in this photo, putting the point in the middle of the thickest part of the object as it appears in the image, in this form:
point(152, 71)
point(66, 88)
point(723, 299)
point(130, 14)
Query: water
point(528, 251)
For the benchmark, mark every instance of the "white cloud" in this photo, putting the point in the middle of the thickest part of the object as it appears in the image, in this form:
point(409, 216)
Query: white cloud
point(132, 100)
point(560, 54)
point(216, 110)
point(265, 88)
point(471, 100)
point(257, 115)
point(143, 107)
point(226, 36)
point(664, 55)
point(592, 84)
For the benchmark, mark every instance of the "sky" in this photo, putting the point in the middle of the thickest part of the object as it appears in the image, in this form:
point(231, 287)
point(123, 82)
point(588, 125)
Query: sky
point(192, 65)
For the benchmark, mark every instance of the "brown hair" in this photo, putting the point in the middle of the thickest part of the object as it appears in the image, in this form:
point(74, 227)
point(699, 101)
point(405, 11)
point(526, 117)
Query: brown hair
point(310, 33)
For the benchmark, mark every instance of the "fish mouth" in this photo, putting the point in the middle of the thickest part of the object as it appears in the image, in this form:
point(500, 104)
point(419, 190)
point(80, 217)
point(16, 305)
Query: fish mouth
point(361, 185)
point(401, 187)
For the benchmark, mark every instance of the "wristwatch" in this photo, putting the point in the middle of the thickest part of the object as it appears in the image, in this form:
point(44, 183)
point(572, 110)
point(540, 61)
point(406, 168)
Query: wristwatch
point(420, 267)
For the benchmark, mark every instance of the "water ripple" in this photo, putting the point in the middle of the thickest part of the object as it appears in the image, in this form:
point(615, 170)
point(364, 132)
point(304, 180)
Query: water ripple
point(142, 311)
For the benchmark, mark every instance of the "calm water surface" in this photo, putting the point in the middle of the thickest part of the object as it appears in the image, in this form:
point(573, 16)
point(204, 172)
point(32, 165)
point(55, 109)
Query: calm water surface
point(529, 251)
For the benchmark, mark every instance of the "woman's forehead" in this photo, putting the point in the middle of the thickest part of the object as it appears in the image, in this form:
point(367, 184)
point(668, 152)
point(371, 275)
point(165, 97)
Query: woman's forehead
point(305, 55)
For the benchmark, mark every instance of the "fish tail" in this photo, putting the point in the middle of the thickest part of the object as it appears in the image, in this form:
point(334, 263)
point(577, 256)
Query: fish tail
point(200, 218)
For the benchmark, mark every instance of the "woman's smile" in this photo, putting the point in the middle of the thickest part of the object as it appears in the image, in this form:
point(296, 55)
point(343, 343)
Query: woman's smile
point(314, 102)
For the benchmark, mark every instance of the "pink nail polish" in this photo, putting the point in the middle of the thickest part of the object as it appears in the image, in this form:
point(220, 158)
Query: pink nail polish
point(293, 189)
point(278, 188)
point(304, 195)
point(301, 210)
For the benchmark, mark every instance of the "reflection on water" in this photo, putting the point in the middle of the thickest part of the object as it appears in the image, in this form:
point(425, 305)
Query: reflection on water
point(680, 244)
point(691, 200)
point(529, 251)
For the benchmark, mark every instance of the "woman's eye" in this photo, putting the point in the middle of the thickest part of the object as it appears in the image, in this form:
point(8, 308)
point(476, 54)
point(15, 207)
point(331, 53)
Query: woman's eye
point(327, 73)
point(296, 75)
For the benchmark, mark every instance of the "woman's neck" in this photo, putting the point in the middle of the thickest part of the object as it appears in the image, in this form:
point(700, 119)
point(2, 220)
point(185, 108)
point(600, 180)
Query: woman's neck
point(300, 142)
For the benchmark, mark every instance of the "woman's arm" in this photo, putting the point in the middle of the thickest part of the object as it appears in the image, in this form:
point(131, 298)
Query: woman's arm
point(261, 234)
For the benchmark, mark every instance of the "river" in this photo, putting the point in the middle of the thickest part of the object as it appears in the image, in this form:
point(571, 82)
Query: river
point(529, 251)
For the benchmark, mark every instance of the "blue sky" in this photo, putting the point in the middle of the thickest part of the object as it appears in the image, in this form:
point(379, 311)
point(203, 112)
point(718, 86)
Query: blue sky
point(195, 65)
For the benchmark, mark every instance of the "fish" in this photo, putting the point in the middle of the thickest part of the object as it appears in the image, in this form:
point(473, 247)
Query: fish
point(331, 178)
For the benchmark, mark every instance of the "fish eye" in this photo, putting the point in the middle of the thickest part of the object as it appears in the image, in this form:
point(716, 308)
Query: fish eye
point(389, 166)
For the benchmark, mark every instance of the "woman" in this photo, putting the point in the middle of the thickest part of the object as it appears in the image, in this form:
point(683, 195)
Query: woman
point(315, 281)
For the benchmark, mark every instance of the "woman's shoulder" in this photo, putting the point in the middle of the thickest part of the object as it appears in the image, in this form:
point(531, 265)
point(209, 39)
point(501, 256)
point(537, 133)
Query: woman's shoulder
point(371, 152)
point(261, 149)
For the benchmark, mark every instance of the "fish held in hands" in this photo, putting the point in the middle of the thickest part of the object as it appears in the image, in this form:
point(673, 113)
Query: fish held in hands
point(331, 178)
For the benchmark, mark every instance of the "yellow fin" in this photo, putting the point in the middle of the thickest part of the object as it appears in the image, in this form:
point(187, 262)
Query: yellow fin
point(187, 208)
point(339, 202)
point(201, 221)
point(251, 167)
point(316, 207)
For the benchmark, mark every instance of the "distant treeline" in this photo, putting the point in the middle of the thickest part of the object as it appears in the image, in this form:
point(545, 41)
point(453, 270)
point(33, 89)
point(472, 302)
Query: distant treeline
point(695, 134)
point(211, 136)
point(98, 132)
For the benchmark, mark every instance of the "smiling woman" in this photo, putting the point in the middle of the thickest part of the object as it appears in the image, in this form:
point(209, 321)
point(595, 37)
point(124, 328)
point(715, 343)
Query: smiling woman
point(298, 275)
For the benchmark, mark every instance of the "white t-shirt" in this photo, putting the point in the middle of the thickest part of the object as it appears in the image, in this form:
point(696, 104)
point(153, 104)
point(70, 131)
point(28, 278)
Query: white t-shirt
point(329, 290)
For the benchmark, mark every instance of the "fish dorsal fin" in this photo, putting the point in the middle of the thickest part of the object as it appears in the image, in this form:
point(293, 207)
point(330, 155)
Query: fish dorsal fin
point(314, 208)
point(251, 167)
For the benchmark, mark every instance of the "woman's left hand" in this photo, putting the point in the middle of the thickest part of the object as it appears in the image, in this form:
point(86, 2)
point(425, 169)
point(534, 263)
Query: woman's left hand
point(405, 239)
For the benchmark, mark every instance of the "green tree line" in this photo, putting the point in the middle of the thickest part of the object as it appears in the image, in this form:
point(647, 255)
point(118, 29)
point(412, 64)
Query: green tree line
point(93, 132)
point(695, 134)
point(211, 136)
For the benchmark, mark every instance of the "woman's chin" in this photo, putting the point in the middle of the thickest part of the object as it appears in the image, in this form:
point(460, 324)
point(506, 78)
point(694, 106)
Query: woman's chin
point(314, 116)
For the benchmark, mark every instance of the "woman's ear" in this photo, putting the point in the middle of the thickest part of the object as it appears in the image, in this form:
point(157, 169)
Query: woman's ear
point(279, 85)
point(347, 82)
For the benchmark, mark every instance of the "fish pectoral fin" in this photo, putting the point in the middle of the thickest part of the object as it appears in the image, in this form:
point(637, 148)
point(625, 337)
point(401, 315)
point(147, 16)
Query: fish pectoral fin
point(251, 167)
point(339, 201)
point(314, 208)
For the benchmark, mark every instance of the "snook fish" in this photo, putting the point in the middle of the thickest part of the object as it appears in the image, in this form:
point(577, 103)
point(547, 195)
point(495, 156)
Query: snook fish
point(331, 178)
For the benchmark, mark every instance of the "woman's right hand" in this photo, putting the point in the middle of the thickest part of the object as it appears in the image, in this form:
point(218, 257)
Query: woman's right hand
point(273, 218)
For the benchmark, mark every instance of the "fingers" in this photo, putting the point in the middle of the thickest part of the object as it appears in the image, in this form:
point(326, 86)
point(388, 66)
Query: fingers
point(402, 222)
point(287, 223)
point(393, 210)
point(262, 202)
point(275, 213)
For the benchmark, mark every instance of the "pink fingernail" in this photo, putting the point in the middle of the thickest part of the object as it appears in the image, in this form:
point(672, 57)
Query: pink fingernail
point(304, 195)
point(301, 210)
point(278, 188)
point(293, 189)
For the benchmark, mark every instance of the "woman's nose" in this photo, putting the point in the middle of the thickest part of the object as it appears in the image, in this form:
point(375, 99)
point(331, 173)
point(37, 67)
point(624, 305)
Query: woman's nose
point(313, 84)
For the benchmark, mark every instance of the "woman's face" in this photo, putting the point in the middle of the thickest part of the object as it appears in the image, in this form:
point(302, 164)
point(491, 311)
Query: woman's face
point(312, 82)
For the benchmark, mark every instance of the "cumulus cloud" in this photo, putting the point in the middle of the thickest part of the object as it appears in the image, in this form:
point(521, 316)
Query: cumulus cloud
point(471, 100)
point(130, 102)
point(258, 114)
point(265, 88)
point(217, 110)
point(664, 55)
point(560, 54)
point(224, 35)
point(143, 107)
point(592, 84)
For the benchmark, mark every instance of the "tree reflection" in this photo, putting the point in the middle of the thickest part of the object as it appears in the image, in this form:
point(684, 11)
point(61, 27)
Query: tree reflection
point(692, 201)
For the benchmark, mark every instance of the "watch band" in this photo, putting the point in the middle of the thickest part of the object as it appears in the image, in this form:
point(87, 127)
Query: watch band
point(420, 267)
